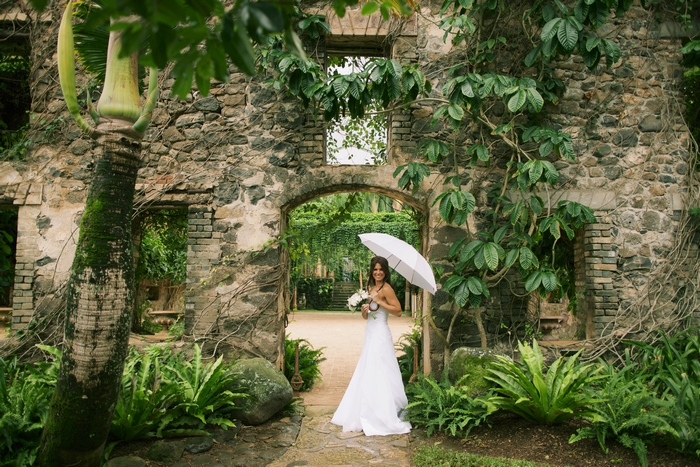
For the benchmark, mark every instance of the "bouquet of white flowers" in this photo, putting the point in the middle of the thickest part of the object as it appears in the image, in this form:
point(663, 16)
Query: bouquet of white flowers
point(358, 299)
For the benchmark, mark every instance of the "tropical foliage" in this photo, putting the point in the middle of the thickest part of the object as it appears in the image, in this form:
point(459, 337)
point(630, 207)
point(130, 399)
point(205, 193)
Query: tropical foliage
point(163, 251)
point(309, 361)
point(440, 406)
point(540, 394)
point(652, 399)
point(628, 413)
point(25, 391)
point(162, 394)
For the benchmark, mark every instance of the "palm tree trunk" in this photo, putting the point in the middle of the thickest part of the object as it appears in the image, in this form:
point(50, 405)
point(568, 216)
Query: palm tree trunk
point(98, 314)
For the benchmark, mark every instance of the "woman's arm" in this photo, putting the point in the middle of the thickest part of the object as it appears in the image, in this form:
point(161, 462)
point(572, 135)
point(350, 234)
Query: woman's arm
point(386, 298)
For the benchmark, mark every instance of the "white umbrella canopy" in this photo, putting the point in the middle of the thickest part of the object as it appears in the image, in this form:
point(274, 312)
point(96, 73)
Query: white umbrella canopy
point(402, 258)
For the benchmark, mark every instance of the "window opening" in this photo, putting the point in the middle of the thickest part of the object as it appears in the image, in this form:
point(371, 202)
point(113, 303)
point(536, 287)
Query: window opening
point(15, 96)
point(360, 141)
point(161, 271)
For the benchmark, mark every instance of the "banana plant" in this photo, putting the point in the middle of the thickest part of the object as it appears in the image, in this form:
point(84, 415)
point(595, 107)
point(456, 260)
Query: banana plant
point(100, 289)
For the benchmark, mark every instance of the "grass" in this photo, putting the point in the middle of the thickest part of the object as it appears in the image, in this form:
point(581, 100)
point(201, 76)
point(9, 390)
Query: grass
point(435, 456)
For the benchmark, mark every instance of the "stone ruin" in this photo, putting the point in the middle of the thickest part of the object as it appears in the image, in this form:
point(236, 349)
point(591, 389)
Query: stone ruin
point(241, 158)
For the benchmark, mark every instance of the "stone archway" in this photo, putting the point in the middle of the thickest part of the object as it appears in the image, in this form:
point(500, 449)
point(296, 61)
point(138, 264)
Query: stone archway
point(353, 179)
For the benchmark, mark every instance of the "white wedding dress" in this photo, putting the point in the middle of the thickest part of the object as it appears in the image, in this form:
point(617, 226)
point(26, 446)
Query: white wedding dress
point(375, 396)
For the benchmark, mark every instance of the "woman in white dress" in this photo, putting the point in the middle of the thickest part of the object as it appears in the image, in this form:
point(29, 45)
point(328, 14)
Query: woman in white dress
point(375, 397)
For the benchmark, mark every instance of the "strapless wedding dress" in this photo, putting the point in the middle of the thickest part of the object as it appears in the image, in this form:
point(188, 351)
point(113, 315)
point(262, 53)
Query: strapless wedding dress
point(375, 396)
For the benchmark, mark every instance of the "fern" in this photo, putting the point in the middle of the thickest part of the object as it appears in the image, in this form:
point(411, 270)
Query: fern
point(442, 407)
point(630, 413)
point(205, 395)
point(542, 397)
point(25, 391)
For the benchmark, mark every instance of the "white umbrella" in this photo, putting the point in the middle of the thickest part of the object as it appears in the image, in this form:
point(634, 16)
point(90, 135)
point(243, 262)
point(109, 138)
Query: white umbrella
point(403, 258)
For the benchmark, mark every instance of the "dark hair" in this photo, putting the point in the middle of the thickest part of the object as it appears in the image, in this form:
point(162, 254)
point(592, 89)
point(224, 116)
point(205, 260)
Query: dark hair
point(385, 267)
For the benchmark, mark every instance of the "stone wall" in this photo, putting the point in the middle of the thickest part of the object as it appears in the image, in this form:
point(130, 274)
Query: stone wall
point(240, 159)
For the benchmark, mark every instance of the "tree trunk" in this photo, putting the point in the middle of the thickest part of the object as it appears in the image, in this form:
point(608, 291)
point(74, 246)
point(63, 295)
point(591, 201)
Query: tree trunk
point(98, 312)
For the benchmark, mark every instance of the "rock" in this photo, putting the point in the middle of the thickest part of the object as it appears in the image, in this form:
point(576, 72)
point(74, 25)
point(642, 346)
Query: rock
point(651, 123)
point(199, 444)
point(268, 388)
point(468, 365)
point(166, 451)
point(126, 461)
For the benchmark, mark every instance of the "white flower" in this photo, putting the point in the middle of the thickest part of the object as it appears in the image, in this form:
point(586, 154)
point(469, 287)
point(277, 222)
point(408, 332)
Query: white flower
point(357, 299)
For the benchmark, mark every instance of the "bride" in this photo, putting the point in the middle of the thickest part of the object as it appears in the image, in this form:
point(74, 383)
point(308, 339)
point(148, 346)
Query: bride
point(375, 396)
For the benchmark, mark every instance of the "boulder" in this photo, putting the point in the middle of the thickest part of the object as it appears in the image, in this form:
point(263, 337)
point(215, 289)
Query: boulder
point(268, 388)
point(468, 366)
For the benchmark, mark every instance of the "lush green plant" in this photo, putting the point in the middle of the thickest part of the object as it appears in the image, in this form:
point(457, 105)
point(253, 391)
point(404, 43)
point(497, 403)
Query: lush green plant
point(317, 290)
point(684, 415)
point(163, 252)
point(407, 344)
point(25, 391)
point(542, 395)
point(142, 407)
point(671, 357)
point(205, 391)
point(165, 394)
point(328, 228)
point(628, 412)
point(435, 456)
point(309, 361)
point(440, 406)
point(671, 369)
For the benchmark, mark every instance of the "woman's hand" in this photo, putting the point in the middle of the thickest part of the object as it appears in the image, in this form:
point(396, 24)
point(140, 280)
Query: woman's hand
point(365, 311)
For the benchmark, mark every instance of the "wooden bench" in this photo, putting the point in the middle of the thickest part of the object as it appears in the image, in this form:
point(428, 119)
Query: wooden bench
point(165, 318)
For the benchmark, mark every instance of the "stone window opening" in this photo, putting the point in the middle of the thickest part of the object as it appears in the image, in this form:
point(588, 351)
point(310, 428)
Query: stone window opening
point(356, 141)
point(161, 243)
point(561, 316)
point(15, 95)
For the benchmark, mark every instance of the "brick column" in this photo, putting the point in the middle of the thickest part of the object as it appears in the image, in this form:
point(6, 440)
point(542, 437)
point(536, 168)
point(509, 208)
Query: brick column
point(25, 268)
point(601, 267)
point(203, 253)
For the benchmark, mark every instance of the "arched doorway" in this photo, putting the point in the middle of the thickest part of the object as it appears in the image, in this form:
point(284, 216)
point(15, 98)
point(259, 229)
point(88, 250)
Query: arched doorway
point(325, 324)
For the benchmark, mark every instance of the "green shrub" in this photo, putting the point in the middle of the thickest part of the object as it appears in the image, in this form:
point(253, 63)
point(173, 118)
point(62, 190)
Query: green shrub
point(25, 392)
point(440, 406)
point(318, 292)
point(435, 456)
point(542, 397)
point(630, 413)
point(309, 361)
